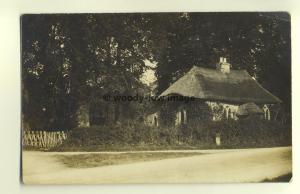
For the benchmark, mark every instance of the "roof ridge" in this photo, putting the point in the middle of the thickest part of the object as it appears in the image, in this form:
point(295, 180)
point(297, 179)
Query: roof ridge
point(212, 69)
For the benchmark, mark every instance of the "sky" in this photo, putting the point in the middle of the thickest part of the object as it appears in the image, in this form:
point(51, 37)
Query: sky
point(148, 76)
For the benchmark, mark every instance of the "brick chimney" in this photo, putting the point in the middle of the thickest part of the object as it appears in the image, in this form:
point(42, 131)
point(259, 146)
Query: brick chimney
point(223, 66)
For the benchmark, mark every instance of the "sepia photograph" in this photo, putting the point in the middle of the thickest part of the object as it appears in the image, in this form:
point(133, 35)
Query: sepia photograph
point(156, 97)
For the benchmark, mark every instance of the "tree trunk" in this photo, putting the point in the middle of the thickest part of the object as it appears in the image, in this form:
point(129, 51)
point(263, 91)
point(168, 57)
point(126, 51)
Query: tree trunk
point(83, 115)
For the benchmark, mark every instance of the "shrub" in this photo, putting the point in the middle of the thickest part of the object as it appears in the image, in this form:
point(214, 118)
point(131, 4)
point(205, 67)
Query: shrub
point(249, 132)
point(199, 134)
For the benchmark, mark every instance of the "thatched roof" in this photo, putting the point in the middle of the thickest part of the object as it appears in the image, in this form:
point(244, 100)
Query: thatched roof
point(210, 84)
point(249, 109)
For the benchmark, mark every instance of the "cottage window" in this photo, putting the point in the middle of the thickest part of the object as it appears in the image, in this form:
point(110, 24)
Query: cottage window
point(234, 116)
point(267, 114)
point(184, 116)
point(181, 117)
point(230, 115)
point(178, 118)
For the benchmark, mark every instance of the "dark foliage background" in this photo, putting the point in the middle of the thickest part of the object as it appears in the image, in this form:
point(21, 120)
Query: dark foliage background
point(70, 59)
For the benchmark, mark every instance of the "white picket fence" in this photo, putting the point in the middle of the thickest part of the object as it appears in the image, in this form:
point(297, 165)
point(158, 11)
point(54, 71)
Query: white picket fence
point(43, 139)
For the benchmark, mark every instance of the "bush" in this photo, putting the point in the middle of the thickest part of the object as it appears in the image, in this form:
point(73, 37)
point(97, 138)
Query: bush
point(234, 134)
point(249, 132)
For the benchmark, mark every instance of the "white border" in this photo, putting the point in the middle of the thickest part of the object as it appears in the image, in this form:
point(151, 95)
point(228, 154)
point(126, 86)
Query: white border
point(10, 12)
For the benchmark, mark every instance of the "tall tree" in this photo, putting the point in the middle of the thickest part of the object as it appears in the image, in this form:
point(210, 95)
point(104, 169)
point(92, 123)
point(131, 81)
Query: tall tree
point(71, 60)
point(257, 42)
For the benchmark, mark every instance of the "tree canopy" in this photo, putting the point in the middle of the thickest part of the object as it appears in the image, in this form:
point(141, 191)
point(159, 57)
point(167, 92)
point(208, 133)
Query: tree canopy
point(70, 59)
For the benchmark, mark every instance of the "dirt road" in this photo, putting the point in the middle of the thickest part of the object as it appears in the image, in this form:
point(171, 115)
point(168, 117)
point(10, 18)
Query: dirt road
point(249, 165)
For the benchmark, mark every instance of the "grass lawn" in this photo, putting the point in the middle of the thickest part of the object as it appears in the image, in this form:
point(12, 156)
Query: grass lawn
point(96, 160)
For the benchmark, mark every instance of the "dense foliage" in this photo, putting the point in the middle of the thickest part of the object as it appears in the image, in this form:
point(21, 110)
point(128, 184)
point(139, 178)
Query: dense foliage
point(74, 59)
point(133, 136)
point(69, 60)
point(257, 42)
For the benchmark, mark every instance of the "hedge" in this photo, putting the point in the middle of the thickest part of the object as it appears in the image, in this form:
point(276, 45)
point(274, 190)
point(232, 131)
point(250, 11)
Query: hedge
point(234, 134)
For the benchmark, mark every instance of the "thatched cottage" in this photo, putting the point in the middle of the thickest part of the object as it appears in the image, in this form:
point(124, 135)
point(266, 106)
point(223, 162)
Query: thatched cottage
point(219, 93)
